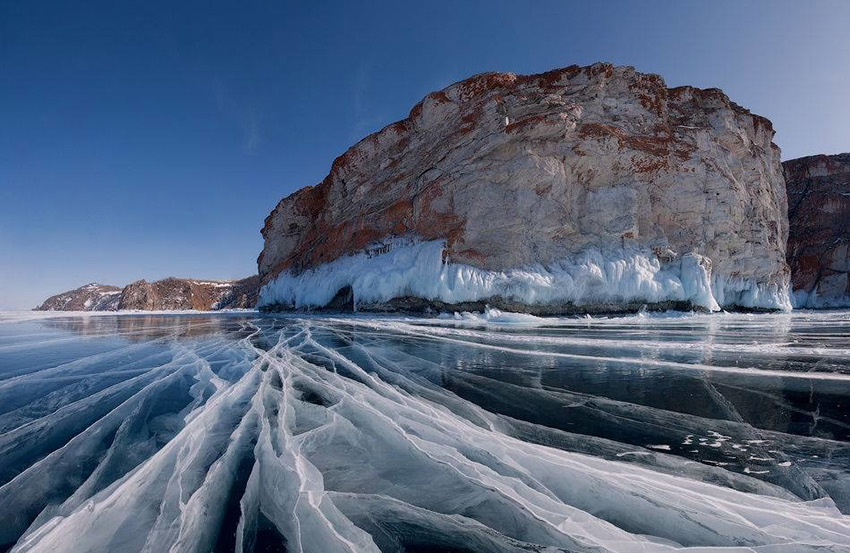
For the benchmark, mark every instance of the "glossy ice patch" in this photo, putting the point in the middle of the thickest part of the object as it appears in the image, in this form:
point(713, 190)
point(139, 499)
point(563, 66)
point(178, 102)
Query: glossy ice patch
point(482, 432)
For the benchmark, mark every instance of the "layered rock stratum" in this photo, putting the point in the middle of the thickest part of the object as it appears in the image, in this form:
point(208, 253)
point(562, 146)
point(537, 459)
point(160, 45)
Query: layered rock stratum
point(161, 295)
point(819, 238)
point(581, 189)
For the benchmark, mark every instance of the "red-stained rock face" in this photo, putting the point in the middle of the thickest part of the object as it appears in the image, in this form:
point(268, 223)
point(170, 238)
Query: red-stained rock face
point(819, 236)
point(514, 170)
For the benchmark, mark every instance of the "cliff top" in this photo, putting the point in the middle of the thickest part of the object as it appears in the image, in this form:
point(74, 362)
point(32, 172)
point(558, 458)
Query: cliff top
point(482, 84)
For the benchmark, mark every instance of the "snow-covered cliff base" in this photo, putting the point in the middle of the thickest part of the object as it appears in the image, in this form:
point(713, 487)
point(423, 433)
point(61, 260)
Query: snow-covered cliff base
point(418, 276)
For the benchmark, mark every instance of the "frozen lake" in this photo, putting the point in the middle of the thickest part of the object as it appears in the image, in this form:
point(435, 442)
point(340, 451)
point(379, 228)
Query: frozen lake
point(484, 433)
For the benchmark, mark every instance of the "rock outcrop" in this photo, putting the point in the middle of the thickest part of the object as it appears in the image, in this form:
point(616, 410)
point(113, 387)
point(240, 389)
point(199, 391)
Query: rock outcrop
point(183, 294)
point(819, 237)
point(584, 188)
point(162, 295)
point(90, 297)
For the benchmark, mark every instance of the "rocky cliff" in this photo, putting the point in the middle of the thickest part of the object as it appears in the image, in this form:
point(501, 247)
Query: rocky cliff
point(819, 238)
point(579, 189)
point(166, 294)
point(91, 297)
point(181, 293)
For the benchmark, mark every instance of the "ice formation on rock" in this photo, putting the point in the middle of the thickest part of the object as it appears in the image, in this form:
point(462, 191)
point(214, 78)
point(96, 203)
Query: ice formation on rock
point(605, 280)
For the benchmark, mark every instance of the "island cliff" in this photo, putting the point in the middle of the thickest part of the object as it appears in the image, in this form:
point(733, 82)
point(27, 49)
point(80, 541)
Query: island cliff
point(581, 189)
point(183, 294)
point(819, 239)
point(162, 295)
point(89, 297)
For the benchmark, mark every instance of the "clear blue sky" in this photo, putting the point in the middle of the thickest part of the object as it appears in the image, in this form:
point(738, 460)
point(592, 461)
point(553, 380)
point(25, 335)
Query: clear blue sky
point(148, 139)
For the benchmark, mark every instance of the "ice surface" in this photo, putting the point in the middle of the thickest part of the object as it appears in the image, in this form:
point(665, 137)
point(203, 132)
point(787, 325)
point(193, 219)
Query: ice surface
point(471, 432)
point(592, 277)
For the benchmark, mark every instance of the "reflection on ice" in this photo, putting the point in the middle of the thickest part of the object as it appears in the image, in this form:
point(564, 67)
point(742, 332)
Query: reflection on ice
point(489, 432)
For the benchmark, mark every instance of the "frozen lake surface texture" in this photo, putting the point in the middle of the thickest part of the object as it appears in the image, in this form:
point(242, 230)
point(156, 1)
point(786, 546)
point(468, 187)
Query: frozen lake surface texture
point(476, 433)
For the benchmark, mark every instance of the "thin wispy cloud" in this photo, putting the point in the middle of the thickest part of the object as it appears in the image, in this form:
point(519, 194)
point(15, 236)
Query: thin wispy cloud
point(244, 114)
point(365, 120)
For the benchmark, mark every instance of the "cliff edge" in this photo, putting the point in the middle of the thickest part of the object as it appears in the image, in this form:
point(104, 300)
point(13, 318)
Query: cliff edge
point(819, 238)
point(581, 189)
point(161, 295)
